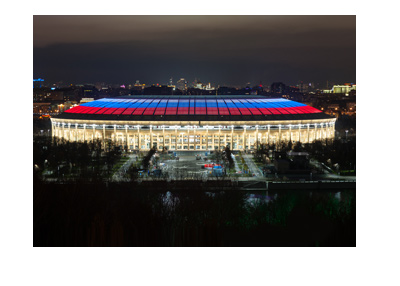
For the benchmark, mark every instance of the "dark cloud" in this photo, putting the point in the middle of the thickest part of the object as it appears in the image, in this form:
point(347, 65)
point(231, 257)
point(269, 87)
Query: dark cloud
point(220, 49)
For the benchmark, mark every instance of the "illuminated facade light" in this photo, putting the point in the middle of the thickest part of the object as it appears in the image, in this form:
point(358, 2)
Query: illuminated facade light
point(208, 119)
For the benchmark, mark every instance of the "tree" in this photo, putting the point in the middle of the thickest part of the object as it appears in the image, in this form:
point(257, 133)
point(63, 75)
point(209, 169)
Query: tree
point(132, 172)
point(217, 156)
point(261, 151)
point(290, 145)
point(297, 147)
point(228, 155)
point(146, 159)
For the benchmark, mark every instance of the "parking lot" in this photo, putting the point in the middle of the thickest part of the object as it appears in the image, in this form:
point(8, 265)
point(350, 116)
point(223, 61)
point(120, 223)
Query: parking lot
point(186, 165)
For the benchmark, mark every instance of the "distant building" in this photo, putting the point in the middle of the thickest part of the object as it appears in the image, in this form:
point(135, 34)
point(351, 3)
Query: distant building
point(89, 91)
point(47, 95)
point(334, 106)
point(305, 87)
point(99, 85)
point(278, 87)
point(181, 84)
point(209, 87)
point(40, 108)
point(342, 89)
point(350, 108)
point(158, 89)
point(38, 82)
point(138, 86)
point(71, 94)
point(86, 99)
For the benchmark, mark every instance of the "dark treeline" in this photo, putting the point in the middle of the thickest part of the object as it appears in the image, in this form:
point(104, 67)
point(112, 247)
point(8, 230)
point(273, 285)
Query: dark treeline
point(337, 153)
point(42, 126)
point(187, 213)
point(64, 160)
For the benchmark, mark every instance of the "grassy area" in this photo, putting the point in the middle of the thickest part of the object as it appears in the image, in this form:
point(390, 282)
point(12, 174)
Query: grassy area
point(259, 164)
point(347, 172)
point(119, 164)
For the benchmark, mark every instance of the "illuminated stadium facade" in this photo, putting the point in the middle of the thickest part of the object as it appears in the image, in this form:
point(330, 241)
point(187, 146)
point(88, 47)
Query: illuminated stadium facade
point(187, 123)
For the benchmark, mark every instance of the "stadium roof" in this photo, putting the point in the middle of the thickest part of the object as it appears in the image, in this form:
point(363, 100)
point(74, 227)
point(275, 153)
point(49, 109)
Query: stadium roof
point(193, 108)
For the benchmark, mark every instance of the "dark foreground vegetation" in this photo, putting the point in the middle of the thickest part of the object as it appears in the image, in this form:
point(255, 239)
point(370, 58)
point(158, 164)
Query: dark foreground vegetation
point(187, 213)
point(75, 203)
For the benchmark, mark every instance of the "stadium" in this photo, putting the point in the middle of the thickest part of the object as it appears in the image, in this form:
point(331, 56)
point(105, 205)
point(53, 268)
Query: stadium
point(193, 123)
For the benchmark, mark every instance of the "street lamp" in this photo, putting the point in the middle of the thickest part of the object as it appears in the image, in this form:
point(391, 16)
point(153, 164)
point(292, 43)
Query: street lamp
point(346, 134)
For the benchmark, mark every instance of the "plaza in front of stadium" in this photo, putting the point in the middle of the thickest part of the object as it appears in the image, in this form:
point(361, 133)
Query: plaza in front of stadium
point(193, 123)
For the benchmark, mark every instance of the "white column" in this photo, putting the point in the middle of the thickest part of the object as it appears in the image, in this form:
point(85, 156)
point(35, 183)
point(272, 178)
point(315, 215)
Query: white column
point(52, 130)
point(151, 136)
point(300, 133)
point(326, 130)
point(207, 137)
point(244, 137)
point(225, 142)
point(188, 137)
point(126, 138)
point(213, 140)
point(279, 138)
point(256, 134)
point(315, 131)
point(176, 138)
point(163, 136)
point(104, 136)
point(63, 130)
point(232, 138)
point(194, 138)
point(115, 134)
point(138, 134)
point(219, 137)
point(268, 133)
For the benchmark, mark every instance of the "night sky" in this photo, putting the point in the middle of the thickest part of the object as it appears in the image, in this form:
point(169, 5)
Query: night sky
point(225, 50)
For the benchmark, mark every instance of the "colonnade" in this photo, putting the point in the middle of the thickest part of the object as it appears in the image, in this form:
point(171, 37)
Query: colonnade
point(201, 138)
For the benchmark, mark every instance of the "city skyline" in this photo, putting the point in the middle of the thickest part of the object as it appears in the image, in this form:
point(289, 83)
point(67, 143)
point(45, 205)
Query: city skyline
point(223, 50)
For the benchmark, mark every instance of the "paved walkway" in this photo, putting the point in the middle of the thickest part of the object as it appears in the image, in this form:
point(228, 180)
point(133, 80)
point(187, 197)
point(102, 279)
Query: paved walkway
point(236, 164)
point(119, 174)
point(252, 166)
